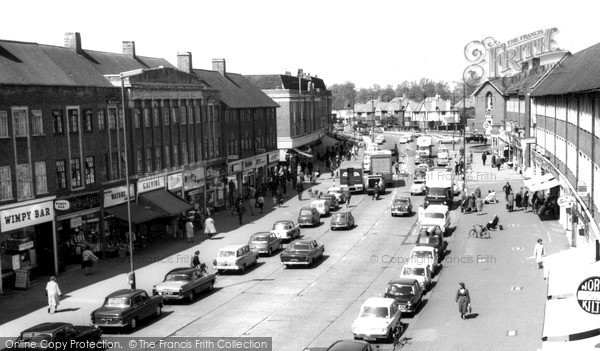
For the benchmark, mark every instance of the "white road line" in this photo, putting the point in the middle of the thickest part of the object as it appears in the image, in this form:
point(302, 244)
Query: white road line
point(549, 238)
point(363, 238)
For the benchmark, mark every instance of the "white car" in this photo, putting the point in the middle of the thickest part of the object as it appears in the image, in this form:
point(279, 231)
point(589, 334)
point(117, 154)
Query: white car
point(377, 319)
point(338, 192)
point(420, 272)
point(322, 207)
point(404, 139)
point(425, 255)
point(448, 140)
point(286, 230)
point(418, 187)
point(237, 257)
point(435, 215)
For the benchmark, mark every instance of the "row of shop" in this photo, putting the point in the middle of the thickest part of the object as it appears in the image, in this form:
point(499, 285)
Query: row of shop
point(46, 236)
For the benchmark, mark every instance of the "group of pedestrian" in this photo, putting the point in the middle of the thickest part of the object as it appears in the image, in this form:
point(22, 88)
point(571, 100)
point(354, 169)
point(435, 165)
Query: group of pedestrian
point(472, 202)
point(518, 200)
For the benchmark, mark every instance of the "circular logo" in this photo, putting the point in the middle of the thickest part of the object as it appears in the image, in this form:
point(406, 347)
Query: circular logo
point(588, 295)
point(566, 201)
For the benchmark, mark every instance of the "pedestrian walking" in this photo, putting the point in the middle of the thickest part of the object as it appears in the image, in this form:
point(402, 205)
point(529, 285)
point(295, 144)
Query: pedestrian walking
point(463, 299)
point(348, 196)
point(240, 209)
point(260, 202)
point(189, 230)
point(209, 227)
point(519, 198)
point(484, 157)
point(470, 157)
point(478, 193)
point(493, 163)
point(300, 189)
point(87, 260)
point(525, 201)
point(539, 252)
point(53, 292)
point(196, 259)
point(252, 204)
point(479, 205)
point(510, 202)
point(498, 163)
point(507, 190)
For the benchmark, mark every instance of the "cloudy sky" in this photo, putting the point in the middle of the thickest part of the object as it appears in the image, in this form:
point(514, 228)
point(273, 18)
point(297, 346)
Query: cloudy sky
point(366, 42)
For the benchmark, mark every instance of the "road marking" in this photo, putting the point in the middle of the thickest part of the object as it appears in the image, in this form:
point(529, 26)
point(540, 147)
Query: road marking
point(516, 288)
point(343, 258)
point(549, 238)
point(517, 248)
point(511, 333)
point(376, 223)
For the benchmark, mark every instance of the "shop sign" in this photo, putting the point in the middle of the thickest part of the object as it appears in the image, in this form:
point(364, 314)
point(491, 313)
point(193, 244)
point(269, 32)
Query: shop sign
point(148, 184)
point(193, 178)
point(588, 295)
point(566, 201)
point(118, 195)
point(212, 172)
point(260, 151)
point(61, 205)
point(261, 161)
point(76, 222)
point(235, 167)
point(249, 165)
point(26, 216)
point(174, 181)
point(274, 157)
point(582, 189)
point(233, 157)
point(26, 246)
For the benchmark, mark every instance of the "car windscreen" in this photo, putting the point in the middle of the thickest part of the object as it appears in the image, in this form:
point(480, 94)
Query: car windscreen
point(379, 312)
point(306, 213)
point(434, 215)
point(260, 238)
point(117, 302)
point(35, 337)
point(422, 254)
point(398, 289)
point(298, 247)
point(281, 226)
point(418, 271)
point(373, 182)
point(401, 202)
point(226, 253)
point(428, 240)
point(437, 191)
point(177, 278)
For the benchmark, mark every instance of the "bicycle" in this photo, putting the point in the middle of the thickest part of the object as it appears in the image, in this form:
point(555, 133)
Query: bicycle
point(482, 233)
point(398, 331)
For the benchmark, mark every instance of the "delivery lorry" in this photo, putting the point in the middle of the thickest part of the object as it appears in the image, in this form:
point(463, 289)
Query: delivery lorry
point(439, 183)
point(424, 145)
point(352, 176)
point(381, 165)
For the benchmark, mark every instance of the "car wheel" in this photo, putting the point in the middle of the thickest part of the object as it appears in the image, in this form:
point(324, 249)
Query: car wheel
point(158, 311)
point(133, 324)
point(192, 296)
point(270, 251)
point(312, 262)
point(243, 269)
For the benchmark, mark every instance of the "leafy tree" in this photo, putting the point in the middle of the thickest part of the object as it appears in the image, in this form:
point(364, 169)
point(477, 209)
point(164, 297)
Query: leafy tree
point(343, 95)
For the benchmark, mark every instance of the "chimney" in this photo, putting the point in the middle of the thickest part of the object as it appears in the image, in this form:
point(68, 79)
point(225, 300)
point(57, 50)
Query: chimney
point(219, 66)
point(129, 48)
point(535, 63)
point(288, 73)
point(73, 41)
point(184, 61)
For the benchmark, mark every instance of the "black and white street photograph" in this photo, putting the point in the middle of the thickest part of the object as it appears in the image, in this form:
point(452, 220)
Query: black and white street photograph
point(276, 175)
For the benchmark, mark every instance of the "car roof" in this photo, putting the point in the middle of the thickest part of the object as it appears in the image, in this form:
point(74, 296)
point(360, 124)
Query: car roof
point(125, 292)
point(402, 198)
point(317, 202)
point(423, 248)
point(338, 214)
point(286, 221)
point(232, 247)
point(348, 345)
point(306, 208)
point(436, 208)
point(407, 281)
point(378, 301)
point(303, 241)
point(46, 327)
point(183, 270)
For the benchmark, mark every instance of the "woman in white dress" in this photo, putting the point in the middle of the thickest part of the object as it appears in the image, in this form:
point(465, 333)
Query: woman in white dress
point(54, 293)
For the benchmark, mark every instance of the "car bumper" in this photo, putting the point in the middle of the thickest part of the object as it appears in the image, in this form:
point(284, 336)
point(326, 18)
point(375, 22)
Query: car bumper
point(400, 212)
point(116, 324)
point(340, 225)
point(370, 337)
point(227, 268)
point(406, 309)
point(169, 296)
point(299, 263)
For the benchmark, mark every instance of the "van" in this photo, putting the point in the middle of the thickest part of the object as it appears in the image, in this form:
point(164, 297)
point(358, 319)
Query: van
point(372, 181)
point(435, 215)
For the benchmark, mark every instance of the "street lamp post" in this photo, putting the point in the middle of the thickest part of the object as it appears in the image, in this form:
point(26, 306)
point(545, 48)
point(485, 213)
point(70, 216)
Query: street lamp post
point(123, 75)
point(464, 117)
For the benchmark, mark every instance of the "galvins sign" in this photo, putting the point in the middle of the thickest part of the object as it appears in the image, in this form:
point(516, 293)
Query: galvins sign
point(26, 216)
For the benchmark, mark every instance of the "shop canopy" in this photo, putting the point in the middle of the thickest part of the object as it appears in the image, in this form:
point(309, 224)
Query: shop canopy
point(545, 185)
point(302, 153)
point(537, 180)
point(165, 201)
point(139, 214)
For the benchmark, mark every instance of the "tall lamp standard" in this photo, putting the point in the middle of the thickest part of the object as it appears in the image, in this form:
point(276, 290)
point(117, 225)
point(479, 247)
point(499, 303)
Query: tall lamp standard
point(464, 118)
point(123, 75)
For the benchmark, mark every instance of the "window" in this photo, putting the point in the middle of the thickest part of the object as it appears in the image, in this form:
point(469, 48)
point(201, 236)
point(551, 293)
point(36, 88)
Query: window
point(90, 170)
point(5, 184)
point(183, 113)
point(75, 173)
point(158, 156)
point(101, 120)
point(148, 160)
point(174, 115)
point(199, 149)
point(137, 118)
point(166, 120)
point(175, 155)
point(191, 114)
point(24, 181)
point(139, 161)
point(105, 171)
point(61, 175)
point(73, 120)
point(167, 156)
point(87, 120)
point(112, 118)
point(206, 149)
point(156, 116)
point(3, 125)
point(488, 101)
point(20, 122)
point(191, 151)
point(211, 112)
point(37, 122)
point(121, 119)
point(184, 153)
point(147, 117)
point(217, 147)
point(41, 181)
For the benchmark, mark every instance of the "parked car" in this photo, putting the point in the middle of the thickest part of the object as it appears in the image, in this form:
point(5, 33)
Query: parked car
point(338, 192)
point(402, 206)
point(309, 216)
point(184, 283)
point(407, 292)
point(334, 205)
point(286, 230)
point(322, 206)
point(418, 187)
point(425, 255)
point(302, 252)
point(350, 345)
point(265, 243)
point(435, 215)
point(342, 220)
point(479, 138)
point(126, 308)
point(427, 162)
point(433, 237)
point(237, 257)
point(420, 272)
point(56, 333)
point(378, 319)
point(448, 139)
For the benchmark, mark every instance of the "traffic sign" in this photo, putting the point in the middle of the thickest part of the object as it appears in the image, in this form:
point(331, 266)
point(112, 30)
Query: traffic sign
point(486, 125)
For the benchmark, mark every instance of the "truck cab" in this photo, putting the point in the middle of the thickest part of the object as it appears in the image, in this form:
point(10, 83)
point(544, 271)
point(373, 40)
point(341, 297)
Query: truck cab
point(439, 183)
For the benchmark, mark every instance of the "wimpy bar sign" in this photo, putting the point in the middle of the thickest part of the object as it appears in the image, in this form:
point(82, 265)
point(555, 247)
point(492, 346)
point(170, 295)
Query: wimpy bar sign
point(26, 216)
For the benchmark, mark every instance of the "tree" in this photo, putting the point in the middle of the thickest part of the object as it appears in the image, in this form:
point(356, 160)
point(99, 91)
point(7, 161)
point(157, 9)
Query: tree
point(343, 96)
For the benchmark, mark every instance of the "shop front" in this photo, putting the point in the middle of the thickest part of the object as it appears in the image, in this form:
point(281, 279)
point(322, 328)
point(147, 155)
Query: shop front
point(234, 180)
point(79, 226)
point(29, 242)
point(249, 174)
point(194, 186)
point(272, 162)
point(215, 186)
point(175, 184)
point(261, 170)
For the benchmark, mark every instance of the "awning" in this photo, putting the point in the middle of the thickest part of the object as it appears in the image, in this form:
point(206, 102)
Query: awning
point(139, 214)
point(302, 152)
point(162, 200)
point(565, 269)
point(539, 179)
point(545, 185)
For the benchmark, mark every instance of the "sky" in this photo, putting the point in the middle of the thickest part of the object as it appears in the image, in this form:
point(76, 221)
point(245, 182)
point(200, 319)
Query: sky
point(382, 42)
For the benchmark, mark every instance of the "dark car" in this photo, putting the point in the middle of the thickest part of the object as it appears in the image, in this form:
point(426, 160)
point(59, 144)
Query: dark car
point(309, 216)
point(61, 333)
point(302, 252)
point(126, 308)
point(184, 282)
point(342, 220)
point(402, 206)
point(433, 238)
point(333, 201)
point(478, 138)
point(350, 345)
point(407, 292)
